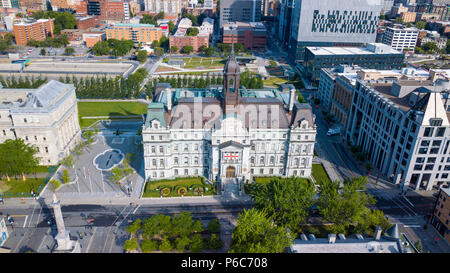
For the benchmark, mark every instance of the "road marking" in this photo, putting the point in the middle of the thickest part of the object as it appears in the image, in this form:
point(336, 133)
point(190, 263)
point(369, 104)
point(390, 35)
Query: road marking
point(136, 209)
point(408, 201)
point(413, 226)
point(39, 216)
point(25, 222)
point(92, 239)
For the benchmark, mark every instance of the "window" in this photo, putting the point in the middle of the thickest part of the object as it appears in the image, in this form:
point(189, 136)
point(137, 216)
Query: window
point(261, 171)
point(35, 138)
point(252, 160)
point(440, 132)
point(153, 149)
point(45, 139)
point(154, 162)
point(281, 159)
point(272, 160)
point(186, 148)
point(46, 150)
point(270, 171)
point(25, 120)
point(176, 171)
point(162, 174)
point(160, 137)
point(428, 132)
point(161, 162)
point(186, 160)
point(186, 171)
point(175, 161)
point(161, 149)
point(420, 160)
point(261, 161)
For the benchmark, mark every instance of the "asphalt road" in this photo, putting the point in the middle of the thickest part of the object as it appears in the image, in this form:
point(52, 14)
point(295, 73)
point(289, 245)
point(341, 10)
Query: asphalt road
point(101, 229)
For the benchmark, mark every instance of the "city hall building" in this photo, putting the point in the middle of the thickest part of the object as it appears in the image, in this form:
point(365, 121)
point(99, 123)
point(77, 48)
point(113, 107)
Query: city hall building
point(228, 132)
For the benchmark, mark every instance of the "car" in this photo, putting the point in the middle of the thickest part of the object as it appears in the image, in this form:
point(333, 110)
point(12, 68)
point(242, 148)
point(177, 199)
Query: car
point(333, 131)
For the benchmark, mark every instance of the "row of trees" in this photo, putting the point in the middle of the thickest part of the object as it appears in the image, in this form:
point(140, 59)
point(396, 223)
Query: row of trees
point(58, 41)
point(282, 207)
point(112, 47)
point(22, 82)
point(166, 233)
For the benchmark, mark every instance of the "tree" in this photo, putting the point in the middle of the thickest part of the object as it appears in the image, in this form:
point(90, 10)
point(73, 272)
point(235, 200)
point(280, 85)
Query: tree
point(203, 48)
point(254, 233)
point(134, 227)
point(149, 246)
point(43, 52)
point(408, 24)
point(210, 51)
point(17, 157)
point(101, 48)
point(184, 225)
point(171, 27)
point(165, 245)
point(142, 56)
point(160, 15)
point(182, 243)
point(214, 225)
point(398, 20)
point(286, 201)
point(173, 49)
point(65, 177)
point(447, 47)
point(131, 244)
point(148, 19)
point(344, 206)
point(192, 31)
point(238, 47)
point(421, 24)
point(215, 242)
point(187, 49)
point(430, 47)
point(197, 243)
point(418, 50)
point(159, 51)
point(69, 51)
point(155, 44)
point(418, 245)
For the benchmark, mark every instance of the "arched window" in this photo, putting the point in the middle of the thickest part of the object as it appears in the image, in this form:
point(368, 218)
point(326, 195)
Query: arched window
point(252, 160)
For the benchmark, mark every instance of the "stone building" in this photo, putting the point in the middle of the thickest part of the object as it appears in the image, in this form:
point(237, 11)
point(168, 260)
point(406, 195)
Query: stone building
point(228, 132)
point(46, 117)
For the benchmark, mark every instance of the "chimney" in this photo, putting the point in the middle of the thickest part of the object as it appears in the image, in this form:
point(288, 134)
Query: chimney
point(341, 236)
point(303, 237)
point(291, 100)
point(377, 234)
point(331, 238)
point(169, 99)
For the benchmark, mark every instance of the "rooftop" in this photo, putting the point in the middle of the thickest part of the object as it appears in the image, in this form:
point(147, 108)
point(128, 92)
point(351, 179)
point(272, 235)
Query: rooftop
point(321, 245)
point(370, 50)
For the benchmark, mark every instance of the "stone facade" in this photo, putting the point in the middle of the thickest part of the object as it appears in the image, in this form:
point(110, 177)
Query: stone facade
point(226, 132)
point(46, 117)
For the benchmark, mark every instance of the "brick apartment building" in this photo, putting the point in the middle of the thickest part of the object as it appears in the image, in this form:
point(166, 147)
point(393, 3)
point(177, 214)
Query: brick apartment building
point(250, 35)
point(38, 30)
point(91, 38)
point(63, 4)
point(87, 22)
point(139, 33)
point(81, 8)
point(114, 10)
point(180, 40)
point(441, 213)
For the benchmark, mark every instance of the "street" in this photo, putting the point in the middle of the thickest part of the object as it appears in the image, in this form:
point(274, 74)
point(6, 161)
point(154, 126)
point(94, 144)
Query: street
point(98, 228)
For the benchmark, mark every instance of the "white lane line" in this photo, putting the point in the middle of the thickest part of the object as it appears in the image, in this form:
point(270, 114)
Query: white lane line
point(408, 201)
point(31, 218)
point(92, 239)
point(39, 216)
point(413, 226)
point(136, 209)
point(25, 222)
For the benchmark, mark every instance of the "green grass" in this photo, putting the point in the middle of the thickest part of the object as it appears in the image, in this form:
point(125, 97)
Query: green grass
point(20, 188)
point(92, 109)
point(151, 186)
point(319, 173)
point(85, 123)
point(275, 81)
point(199, 62)
point(190, 73)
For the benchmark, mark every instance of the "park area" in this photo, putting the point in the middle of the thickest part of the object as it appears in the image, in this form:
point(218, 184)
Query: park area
point(186, 186)
point(319, 174)
point(17, 187)
point(202, 62)
point(108, 110)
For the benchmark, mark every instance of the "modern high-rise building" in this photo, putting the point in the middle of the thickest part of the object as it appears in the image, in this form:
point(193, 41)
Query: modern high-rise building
point(400, 38)
point(5, 4)
point(166, 6)
point(240, 11)
point(284, 21)
point(441, 213)
point(38, 30)
point(403, 127)
point(332, 23)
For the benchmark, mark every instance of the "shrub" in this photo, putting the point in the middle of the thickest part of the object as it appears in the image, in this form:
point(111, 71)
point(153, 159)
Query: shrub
point(65, 177)
point(56, 183)
point(214, 225)
point(197, 243)
point(165, 245)
point(182, 243)
point(215, 242)
point(149, 245)
point(131, 244)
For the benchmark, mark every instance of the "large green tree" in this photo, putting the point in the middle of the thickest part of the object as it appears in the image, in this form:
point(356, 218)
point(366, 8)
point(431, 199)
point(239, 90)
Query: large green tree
point(17, 157)
point(286, 201)
point(187, 49)
point(255, 233)
point(142, 56)
point(344, 206)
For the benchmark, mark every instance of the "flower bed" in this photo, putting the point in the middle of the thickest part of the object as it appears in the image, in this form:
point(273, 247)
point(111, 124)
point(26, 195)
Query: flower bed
point(185, 186)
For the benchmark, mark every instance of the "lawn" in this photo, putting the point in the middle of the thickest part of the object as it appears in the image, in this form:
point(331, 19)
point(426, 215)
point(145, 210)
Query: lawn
point(319, 173)
point(153, 188)
point(201, 63)
point(20, 188)
point(275, 81)
point(85, 123)
point(92, 109)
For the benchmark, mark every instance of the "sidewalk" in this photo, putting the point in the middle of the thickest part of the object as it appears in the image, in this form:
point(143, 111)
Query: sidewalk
point(206, 200)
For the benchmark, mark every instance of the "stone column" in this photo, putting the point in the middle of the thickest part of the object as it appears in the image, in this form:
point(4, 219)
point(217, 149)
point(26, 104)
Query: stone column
point(62, 238)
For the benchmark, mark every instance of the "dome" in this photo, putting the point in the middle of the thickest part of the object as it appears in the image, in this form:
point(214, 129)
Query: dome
point(232, 66)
